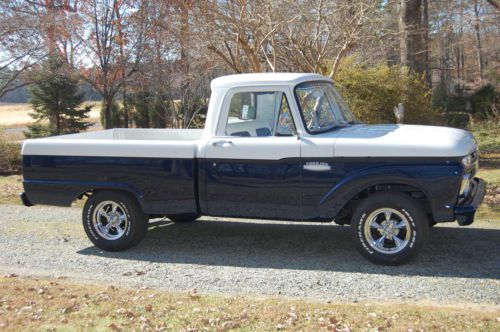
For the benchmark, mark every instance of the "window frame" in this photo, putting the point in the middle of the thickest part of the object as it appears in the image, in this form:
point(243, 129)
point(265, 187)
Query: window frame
point(220, 131)
point(278, 118)
point(301, 114)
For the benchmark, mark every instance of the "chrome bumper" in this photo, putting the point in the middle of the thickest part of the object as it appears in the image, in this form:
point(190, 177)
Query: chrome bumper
point(465, 211)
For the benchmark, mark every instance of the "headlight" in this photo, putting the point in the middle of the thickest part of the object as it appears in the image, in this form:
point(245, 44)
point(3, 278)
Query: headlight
point(465, 186)
point(467, 161)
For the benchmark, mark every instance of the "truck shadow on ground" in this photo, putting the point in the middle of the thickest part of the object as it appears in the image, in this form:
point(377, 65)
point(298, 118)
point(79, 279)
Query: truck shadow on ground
point(451, 252)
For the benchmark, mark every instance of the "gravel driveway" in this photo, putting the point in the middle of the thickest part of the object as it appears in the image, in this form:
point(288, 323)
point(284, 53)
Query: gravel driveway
point(312, 261)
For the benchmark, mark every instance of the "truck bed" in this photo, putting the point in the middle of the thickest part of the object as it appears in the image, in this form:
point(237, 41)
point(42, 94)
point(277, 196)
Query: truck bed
point(158, 166)
point(145, 143)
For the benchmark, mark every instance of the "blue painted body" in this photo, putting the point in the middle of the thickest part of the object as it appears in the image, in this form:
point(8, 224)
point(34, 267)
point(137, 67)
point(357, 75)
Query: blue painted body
point(256, 189)
point(160, 185)
point(280, 189)
point(326, 193)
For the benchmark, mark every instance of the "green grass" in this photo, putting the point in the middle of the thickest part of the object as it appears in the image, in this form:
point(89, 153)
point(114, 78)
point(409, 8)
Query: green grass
point(488, 136)
point(490, 209)
point(30, 304)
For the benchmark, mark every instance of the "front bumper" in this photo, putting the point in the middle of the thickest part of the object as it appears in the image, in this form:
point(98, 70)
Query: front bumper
point(465, 211)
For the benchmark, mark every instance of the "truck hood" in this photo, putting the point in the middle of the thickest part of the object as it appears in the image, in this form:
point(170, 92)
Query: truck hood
point(402, 141)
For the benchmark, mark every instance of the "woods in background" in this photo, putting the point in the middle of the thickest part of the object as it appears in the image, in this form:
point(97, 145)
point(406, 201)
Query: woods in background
point(151, 61)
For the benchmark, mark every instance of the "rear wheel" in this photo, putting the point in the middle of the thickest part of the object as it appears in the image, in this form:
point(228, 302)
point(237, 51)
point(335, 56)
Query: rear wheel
point(389, 228)
point(114, 221)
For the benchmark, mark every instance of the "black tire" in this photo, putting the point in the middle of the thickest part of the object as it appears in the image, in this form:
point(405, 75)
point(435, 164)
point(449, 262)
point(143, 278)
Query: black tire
point(184, 217)
point(402, 210)
point(129, 231)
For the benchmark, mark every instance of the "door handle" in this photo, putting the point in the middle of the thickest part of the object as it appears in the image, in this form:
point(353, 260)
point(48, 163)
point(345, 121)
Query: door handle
point(221, 142)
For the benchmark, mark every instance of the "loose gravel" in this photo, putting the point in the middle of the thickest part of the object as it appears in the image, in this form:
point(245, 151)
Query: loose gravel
point(215, 255)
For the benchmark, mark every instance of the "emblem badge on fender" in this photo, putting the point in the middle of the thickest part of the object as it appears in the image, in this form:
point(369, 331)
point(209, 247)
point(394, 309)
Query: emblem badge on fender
point(317, 166)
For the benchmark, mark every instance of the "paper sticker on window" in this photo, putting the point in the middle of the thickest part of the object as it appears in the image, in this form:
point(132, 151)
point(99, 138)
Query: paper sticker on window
point(244, 112)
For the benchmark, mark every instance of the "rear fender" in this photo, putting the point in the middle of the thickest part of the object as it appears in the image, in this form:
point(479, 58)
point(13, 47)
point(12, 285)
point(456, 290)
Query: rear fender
point(64, 192)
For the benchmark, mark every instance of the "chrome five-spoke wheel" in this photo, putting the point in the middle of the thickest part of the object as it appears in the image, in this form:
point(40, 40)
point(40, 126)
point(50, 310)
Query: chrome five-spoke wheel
point(389, 227)
point(110, 221)
point(387, 230)
point(114, 220)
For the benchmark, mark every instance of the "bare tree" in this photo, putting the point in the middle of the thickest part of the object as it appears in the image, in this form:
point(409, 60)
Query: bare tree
point(113, 57)
point(245, 30)
point(494, 3)
point(21, 43)
point(312, 36)
point(31, 31)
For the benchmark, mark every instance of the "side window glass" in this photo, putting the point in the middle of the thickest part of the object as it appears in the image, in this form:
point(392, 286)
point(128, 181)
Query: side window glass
point(285, 126)
point(243, 106)
point(252, 114)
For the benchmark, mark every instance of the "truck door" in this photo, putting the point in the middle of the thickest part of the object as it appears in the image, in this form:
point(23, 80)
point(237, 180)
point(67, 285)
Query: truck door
point(252, 166)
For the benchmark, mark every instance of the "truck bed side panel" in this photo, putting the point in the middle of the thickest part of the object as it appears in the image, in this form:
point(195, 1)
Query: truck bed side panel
point(162, 185)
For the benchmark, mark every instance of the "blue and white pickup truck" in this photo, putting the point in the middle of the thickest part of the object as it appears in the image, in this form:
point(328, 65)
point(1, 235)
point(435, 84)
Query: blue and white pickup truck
point(275, 146)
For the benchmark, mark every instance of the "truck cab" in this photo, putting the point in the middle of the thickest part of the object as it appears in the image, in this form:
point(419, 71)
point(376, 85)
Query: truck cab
point(275, 146)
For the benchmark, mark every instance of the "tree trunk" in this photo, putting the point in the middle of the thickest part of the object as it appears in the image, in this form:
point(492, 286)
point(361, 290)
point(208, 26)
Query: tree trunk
point(425, 42)
point(478, 39)
point(50, 30)
point(108, 100)
point(58, 124)
point(123, 65)
point(125, 105)
point(412, 54)
point(184, 37)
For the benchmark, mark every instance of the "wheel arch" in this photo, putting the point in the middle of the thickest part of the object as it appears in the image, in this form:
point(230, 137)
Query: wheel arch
point(342, 198)
point(92, 191)
point(64, 193)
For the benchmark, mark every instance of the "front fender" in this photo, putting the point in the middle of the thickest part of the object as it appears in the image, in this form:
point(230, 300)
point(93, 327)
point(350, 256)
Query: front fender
point(439, 183)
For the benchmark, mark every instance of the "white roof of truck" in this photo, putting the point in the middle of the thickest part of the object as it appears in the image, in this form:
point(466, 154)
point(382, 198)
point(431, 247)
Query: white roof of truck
point(257, 79)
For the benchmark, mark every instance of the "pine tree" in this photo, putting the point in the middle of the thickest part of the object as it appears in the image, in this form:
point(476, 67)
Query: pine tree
point(56, 103)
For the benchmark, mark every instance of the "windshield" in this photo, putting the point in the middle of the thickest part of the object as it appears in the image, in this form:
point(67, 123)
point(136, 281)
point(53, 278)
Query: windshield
point(322, 107)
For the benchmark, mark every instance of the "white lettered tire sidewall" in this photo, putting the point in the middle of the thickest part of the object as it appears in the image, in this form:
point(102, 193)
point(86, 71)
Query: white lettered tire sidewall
point(418, 227)
point(136, 227)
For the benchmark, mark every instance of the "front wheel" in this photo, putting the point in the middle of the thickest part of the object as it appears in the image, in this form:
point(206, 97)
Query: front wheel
point(389, 228)
point(113, 220)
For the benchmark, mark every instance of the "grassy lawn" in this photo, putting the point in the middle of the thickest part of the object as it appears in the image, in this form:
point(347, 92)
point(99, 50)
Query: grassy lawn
point(489, 170)
point(488, 137)
point(17, 115)
point(10, 187)
point(31, 304)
